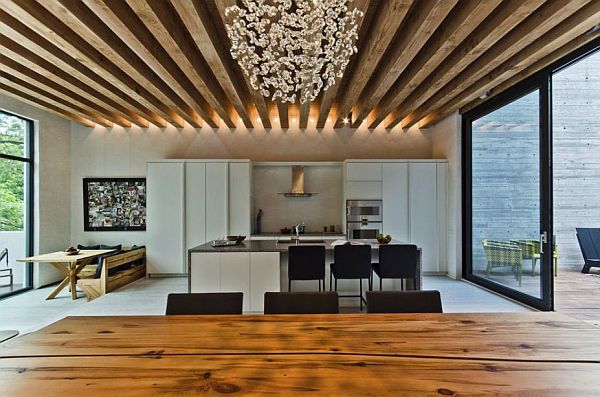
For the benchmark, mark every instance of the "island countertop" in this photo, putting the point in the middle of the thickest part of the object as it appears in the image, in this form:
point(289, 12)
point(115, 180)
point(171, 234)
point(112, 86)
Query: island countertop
point(275, 246)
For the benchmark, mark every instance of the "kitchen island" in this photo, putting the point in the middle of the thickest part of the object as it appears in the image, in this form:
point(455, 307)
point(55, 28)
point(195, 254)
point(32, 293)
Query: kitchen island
point(258, 266)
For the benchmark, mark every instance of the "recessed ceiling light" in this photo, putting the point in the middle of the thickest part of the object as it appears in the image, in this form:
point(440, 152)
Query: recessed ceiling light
point(329, 120)
point(277, 119)
point(258, 119)
point(346, 120)
point(312, 120)
point(293, 120)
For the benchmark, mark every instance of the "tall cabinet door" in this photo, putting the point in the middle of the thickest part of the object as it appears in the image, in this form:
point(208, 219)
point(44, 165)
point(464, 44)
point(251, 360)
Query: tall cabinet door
point(195, 204)
point(395, 201)
point(423, 212)
point(216, 200)
point(165, 229)
point(442, 217)
point(239, 198)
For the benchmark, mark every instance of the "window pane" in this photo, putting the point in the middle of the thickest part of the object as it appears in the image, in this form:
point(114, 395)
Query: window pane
point(13, 222)
point(506, 195)
point(12, 135)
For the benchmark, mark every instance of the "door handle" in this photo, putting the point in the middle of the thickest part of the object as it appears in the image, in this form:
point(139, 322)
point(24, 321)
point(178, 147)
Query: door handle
point(543, 240)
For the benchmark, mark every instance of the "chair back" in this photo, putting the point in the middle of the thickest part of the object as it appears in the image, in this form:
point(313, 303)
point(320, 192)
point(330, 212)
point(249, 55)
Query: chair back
point(301, 303)
point(352, 261)
point(589, 242)
point(502, 253)
point(404, 302)
point(306, 262)
point(205, 303)
point(398, 261)
point(4, 254)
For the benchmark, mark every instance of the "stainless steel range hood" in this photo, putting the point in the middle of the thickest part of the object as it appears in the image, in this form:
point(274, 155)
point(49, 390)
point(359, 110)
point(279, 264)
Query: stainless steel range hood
point(297, 183)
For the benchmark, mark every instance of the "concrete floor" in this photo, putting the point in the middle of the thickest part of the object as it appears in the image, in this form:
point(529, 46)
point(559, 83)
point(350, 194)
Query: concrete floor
point(30, 311)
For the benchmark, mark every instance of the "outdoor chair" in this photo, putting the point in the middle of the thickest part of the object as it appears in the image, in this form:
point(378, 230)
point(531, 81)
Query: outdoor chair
point(6, 272)
point(503, 254)
point(530, 250)
point(589, 242)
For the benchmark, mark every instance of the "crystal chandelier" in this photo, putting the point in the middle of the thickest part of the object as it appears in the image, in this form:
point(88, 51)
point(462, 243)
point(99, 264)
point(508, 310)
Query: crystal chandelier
point(293, 47)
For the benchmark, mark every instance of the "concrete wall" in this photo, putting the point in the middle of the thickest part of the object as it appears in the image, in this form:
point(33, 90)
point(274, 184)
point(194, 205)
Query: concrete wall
point(118, 152)
point(52, 182)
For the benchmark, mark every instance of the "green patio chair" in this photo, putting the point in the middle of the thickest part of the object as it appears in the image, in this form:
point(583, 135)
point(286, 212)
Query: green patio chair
point(503, 254)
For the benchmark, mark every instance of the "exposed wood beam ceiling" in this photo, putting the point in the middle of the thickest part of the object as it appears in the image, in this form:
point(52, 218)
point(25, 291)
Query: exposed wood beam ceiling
point(142, 62)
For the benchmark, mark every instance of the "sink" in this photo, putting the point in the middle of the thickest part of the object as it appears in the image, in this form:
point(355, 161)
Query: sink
point(302, 241)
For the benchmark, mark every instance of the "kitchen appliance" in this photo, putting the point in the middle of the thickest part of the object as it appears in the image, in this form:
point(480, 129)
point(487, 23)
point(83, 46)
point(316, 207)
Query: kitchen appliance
point(364, 219)
point(297, 189)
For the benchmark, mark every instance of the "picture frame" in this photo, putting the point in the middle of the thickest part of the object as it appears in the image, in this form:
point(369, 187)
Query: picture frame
point(114, 204)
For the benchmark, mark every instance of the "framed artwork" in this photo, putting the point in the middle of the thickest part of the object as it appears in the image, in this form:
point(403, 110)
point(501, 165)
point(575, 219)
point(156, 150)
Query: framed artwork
point(114, 204)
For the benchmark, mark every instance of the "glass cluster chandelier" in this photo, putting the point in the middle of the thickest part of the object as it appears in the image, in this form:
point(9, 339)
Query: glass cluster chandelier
point(291, 48)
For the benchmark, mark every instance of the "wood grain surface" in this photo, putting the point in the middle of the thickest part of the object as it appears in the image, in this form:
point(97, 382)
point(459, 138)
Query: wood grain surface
point(290, 375)
point(497, 336)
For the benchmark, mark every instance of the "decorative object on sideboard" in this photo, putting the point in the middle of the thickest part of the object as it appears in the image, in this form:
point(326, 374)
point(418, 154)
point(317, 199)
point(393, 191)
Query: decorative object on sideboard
point(114, 204)
point(293, 48)
point(72, 251)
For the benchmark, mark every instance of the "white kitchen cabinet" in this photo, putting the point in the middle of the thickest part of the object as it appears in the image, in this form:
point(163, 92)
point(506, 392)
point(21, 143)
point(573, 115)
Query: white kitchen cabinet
point(195, 204)
point(235, 275)
point(363, 190)
point(423, 212)
point(165, 229)
point(252, 273)
point(240, 201)
point(216, 200)
point(264, 277)
point(363, 171)
point(206, 273)
point(396, 220)
point(442, 216)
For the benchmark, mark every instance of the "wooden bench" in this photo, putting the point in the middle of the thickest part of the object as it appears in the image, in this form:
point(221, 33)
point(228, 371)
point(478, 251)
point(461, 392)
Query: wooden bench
point(121, 273)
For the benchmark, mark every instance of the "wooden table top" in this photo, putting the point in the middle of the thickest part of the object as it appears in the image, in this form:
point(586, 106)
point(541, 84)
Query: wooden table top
point(508, 336)
point(346, 354)
point(62, 257)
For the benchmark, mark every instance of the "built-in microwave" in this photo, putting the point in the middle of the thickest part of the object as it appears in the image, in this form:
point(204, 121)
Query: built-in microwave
point(364, 211)
point(363, 230)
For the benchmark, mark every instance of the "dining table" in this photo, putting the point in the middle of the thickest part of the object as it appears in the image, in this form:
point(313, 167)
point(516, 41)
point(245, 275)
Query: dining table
point(454, 354)
point(70, 264)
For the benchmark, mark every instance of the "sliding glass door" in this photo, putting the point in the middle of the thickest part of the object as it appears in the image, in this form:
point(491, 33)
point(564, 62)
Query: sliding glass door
point(507, 190)
point(16, 208)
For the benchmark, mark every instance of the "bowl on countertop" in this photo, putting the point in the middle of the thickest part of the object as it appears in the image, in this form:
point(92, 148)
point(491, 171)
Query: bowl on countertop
point(285, 230)
point(381, 239)
point(237, 239)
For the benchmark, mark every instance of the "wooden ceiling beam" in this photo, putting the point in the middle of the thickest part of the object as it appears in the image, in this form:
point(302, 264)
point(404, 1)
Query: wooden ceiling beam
point(530, 70)
point(328, 97)
point(459, 24)
point(508, 15)
point(54, 29)
point(282, 110)
point(218, 8)
point(163, 22)
point(127, 26)
point(537, 24)
point(30, 99)
point(44, 84)
point(93, 31)
point(37, 53)
point(36, 92)
point(422, 20)
point(563, 34)
point(197, 18)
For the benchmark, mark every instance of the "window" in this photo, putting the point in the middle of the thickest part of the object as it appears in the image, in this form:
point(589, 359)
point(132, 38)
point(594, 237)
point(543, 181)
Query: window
point(16, 204)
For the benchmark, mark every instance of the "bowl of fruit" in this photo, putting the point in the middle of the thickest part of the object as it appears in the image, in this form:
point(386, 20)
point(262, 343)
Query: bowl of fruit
point(71, 251)
point(384, 239)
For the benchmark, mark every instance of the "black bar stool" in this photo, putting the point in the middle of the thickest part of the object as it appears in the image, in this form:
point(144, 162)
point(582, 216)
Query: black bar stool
point(352, 262)
point(306, 262)
point(397, 261)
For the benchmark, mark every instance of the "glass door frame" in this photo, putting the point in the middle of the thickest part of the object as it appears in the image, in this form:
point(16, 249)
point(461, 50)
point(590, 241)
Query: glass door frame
point(545, 150)
point(29, 223)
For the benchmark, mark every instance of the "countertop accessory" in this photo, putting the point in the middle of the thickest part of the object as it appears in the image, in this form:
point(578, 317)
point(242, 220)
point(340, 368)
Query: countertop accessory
point(381, 239)
point(238, 238)
point(224, 243)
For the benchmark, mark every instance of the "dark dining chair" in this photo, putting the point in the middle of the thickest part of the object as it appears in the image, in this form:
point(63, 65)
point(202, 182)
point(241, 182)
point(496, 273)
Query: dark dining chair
point(404, 302)
point(397, 261)
point(306, 262)
point(6, 272)
point(205, 303)
point(352, 262)
point(301, 303)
